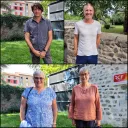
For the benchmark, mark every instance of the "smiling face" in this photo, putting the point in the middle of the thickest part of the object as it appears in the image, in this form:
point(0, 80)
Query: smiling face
point(39, 80)
point(84, 77)
point(88, 11)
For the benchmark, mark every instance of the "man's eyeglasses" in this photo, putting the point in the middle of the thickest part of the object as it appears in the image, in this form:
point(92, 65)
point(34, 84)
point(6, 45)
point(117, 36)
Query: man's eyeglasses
point(36, 78)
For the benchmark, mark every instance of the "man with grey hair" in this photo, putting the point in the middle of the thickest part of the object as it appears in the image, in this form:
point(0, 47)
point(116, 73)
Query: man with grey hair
point(87, 37)
point(38, 36)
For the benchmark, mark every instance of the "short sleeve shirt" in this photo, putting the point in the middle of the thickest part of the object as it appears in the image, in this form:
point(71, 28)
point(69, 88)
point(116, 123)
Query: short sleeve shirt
point(87, 37)
point(38, 32)
point(39, 111)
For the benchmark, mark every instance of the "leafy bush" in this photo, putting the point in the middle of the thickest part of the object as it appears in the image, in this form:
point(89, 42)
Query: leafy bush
point(71, 17)
point(9, 20)
point(107, 26)
point(10, 98)
point(12, 27)
point(8, 90)
point(118, 18)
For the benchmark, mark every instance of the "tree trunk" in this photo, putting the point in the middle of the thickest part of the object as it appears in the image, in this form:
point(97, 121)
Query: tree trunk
point(126, 22)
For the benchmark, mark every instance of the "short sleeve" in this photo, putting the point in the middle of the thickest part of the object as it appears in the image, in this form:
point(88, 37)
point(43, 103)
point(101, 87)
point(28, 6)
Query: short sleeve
point(53, 94)
point(99, 28)
point(49, 25)
point(25, 93)
point(76, 29)
point(26, 27)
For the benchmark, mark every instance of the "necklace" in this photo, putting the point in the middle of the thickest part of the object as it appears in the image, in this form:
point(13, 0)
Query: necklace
point(84, 90)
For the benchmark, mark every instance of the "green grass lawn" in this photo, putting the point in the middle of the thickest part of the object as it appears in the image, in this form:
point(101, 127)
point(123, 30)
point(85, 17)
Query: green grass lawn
point(13, 120)
point(113, 29)
point(17, 52)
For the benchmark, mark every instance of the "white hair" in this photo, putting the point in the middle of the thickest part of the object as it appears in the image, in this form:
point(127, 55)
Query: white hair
point(38, 72)
point(82, 70)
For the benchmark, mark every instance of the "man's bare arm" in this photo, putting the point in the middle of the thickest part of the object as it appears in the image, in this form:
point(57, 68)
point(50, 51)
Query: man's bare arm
point(43, 53)
point(98, 40)
point(27, 39)
point(75, 44)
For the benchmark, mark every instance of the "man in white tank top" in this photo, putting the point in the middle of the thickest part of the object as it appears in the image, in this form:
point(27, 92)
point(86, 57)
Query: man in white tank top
point(87, 37)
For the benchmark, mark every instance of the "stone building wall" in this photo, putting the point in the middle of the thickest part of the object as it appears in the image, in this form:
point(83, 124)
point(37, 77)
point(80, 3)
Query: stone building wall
point(112, 49)
point(113, 97)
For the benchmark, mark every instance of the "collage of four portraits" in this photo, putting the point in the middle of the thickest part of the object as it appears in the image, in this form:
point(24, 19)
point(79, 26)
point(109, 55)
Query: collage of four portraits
point(77, 51)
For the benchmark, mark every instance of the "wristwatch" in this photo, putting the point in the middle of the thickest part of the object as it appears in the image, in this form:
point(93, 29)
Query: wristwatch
point(44, 50)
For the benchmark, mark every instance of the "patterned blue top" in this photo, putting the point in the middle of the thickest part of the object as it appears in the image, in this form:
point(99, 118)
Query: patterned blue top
point(39, 112)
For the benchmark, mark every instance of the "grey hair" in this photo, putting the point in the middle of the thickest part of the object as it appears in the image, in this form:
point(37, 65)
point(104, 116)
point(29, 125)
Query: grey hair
point(38, 72)
point(83, 69)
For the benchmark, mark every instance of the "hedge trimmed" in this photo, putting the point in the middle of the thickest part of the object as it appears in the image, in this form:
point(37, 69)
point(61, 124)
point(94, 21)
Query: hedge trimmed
point(9, 20)
point(12, 27)
point(9, 94)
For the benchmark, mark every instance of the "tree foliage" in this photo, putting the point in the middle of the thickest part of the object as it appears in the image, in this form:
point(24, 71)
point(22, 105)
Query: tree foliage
point(45, 4)
point(118, 18)
point(102, 7)
point(53, 68)
point(5, 5)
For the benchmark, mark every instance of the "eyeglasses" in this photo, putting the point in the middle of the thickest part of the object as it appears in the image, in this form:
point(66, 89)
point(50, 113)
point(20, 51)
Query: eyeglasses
point(36, 78)
point(83, 74)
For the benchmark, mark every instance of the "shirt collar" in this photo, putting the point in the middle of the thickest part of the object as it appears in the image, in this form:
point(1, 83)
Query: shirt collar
point(40, 20)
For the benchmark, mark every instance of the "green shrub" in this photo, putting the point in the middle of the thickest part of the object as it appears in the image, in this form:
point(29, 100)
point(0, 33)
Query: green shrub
point(8, 20)
point(71, 17)
point(10, 98)
point(12, 27)
point(7, 90)
point(107, 26)
point(118, 18)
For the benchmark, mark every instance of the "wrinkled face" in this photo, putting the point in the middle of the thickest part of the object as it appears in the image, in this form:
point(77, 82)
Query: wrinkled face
point(88, 12)
point(37, 12)
point(84, 77)
point(39, 80)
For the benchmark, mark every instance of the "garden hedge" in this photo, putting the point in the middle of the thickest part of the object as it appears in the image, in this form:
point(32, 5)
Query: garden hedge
point(10, 98)
point(12, 27)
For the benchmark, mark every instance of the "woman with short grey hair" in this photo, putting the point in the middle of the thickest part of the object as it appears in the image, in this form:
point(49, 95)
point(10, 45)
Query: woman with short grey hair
point(85, 109)
point(38, 104)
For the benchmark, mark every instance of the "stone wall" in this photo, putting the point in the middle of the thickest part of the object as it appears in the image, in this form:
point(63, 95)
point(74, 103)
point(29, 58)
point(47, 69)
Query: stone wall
point(113, 96)
point(112, 49)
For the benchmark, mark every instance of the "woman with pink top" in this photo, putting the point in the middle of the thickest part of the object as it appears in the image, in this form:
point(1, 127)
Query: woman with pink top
point(85, 109)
